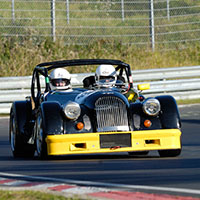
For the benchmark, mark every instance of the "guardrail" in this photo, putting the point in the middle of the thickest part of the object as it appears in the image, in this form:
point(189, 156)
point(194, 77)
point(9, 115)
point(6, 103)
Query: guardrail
point(180, 82)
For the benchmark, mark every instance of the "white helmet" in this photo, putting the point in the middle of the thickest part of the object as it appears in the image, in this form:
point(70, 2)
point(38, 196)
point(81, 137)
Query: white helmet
point(60, 79)
point(105, 76)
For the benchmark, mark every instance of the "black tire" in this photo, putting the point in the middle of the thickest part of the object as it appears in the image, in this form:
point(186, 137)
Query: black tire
point(138, 153)
point(41, 146)
point(18, 147)
point(169, 153)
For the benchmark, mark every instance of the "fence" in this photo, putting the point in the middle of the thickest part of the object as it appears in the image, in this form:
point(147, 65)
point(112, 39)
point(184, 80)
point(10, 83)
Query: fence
point(143, 23)
point(182, 83)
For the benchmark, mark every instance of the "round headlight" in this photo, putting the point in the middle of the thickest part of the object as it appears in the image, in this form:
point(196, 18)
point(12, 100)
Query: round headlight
point(72, 110)
point(151, 107)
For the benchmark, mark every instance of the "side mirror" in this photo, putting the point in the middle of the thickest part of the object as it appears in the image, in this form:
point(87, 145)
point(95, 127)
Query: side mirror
point(144, 86)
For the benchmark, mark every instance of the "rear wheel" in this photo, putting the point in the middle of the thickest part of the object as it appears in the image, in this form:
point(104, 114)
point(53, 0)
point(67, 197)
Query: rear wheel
point(41, 145)
point(18, 147)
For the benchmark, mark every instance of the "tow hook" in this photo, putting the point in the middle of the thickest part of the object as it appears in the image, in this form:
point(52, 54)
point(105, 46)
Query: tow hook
point(115, 147)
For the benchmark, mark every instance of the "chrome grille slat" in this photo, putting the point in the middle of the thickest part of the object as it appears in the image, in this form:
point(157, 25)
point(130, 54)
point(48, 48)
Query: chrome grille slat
point(111, 114)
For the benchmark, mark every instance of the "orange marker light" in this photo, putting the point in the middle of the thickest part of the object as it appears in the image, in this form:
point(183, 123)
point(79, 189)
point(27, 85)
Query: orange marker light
point(79, 125)
point(147, 123)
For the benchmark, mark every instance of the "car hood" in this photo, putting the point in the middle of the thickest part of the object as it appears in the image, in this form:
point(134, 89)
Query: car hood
point(84, 97)
point(88, 98)
point(62, 96)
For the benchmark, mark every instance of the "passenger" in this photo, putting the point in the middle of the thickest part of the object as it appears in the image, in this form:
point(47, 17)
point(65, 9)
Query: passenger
point(105, 76)
point(60, 79)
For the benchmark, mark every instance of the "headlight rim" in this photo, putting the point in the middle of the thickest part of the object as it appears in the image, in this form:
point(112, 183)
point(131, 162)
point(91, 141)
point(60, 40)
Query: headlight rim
point(153, 100)
point(66, 110)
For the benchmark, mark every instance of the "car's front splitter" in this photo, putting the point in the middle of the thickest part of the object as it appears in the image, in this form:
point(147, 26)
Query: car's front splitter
point(107, 142)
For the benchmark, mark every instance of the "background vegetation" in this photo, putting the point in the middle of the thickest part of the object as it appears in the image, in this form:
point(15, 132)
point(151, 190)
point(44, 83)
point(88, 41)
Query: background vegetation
point(25, 38)
point(19, 58)
point(33, 195)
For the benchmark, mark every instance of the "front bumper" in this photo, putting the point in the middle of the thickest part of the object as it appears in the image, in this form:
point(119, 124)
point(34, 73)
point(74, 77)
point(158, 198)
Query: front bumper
point(87, 143)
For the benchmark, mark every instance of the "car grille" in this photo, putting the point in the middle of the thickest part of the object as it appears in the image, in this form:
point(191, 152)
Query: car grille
point(111, 114)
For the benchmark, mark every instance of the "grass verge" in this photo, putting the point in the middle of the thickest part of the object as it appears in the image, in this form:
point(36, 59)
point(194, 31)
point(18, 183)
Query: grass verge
point(188, 101)
point(33, 195)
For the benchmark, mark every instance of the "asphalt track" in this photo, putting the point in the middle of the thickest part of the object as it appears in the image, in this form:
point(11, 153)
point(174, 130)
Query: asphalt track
point(176, 176)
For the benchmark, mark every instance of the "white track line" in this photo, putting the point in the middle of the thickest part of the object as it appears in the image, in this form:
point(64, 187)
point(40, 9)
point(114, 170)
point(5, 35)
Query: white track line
point(101, 184)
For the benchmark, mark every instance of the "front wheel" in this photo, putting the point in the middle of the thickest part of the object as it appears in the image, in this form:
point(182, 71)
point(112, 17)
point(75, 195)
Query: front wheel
point(41, 146)
point(169, 153)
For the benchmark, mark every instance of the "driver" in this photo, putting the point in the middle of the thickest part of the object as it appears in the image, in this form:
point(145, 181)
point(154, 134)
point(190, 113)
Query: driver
point(105, 76)
point(60, 79)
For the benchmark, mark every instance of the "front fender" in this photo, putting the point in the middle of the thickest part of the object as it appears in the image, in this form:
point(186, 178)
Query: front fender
point(52, 118)
point(138, 118)
point(169, 115)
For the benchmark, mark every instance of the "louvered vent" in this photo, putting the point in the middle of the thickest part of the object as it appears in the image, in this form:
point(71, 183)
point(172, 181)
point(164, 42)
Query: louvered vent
point(111, 114)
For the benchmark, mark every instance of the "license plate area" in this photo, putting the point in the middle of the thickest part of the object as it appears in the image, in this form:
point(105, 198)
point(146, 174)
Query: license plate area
point(115, 140)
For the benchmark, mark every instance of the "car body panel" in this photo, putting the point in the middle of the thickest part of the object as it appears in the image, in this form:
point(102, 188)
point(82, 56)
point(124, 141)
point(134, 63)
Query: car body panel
point(90, 142)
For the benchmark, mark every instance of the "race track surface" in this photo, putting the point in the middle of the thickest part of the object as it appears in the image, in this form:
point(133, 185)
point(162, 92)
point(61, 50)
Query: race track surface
point(143, 173)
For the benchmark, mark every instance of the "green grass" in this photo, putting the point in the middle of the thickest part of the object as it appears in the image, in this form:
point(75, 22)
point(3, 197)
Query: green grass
point(19, 56)
point(32, 195)
point(188, 101)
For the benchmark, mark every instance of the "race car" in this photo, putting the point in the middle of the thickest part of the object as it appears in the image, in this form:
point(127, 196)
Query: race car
point(92, 119)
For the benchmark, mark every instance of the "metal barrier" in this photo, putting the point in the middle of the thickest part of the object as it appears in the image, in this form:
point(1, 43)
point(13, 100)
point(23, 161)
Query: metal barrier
point(180, 82)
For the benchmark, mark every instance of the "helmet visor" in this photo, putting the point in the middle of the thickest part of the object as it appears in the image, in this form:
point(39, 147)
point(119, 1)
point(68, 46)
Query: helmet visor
point(106, 79)
point(60, 82)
